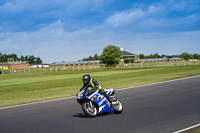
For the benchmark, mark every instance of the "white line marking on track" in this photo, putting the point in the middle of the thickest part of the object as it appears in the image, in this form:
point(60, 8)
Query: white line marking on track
point(187, 128)
point(116, 90)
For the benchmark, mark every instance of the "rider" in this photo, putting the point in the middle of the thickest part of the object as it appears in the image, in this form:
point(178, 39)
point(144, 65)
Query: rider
point(92, 85)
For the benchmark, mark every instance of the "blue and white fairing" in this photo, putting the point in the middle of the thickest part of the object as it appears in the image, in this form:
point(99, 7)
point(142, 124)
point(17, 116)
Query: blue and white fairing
point(99, 99)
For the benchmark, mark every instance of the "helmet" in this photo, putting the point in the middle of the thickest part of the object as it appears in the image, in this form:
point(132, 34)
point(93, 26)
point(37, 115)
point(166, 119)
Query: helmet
point(86, 79)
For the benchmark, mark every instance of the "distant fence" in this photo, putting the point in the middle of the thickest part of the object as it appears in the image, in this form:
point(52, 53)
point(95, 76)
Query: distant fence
point(160, 64)
point(100, 66)
point(54, 69)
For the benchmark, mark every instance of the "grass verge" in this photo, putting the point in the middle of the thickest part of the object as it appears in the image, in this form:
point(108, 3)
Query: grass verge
point(24, 88)
point(194, 130)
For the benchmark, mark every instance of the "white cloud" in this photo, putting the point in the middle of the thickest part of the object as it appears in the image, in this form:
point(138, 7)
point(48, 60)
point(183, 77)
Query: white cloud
point(178, 5)
point(70, 7)
point(156, 9)
point(99, 3)
point(53, 27)
point(125, 18)
point(52, 43)
point(166, 16)
point(138, 17)
point(141, 28)
point(11, 8)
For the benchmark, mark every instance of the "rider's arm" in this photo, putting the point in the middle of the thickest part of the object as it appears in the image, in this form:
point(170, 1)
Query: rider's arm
point(96, 85)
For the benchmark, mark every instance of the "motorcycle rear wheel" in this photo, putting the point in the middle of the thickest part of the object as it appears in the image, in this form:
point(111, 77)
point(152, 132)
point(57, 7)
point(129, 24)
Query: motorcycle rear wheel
point(89, 108)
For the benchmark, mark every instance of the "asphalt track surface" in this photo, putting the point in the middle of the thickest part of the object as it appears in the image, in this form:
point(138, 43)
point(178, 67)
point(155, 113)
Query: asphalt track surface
point(159, 108)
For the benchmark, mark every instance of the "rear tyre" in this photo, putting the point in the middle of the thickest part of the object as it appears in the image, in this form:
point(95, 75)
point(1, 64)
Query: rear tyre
point(89, 108)
point(118, 108)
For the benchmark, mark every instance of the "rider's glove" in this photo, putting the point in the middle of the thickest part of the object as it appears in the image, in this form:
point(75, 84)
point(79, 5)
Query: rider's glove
point(90, 91)
point(93, 89)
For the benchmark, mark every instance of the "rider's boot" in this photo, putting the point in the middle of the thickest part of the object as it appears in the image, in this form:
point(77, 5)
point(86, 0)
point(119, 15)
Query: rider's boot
point(112, 101)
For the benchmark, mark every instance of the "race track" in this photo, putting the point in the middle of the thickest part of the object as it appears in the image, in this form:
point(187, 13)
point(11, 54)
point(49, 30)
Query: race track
point(158, 108)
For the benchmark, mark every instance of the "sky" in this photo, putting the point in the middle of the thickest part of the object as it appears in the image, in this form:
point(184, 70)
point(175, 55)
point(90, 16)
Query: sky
point(70, 30)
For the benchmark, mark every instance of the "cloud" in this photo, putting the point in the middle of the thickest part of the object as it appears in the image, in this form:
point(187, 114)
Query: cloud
point(136, 17)
point(10, 8)
point(162, 16)
point(181, 6)
point(53, 27)
point(101, 3)
point(30, 15)
point(70, 6)
point(52, 43)
point(61, 30)
point(125, 18)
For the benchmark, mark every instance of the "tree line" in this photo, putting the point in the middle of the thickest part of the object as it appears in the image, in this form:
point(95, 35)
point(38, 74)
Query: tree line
point(31, 58)
point(184, 55)
point(112, 54)
point(95, 57)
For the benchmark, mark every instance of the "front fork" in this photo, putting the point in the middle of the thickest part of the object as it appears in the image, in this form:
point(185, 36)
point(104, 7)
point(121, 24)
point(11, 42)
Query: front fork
point(90, 104)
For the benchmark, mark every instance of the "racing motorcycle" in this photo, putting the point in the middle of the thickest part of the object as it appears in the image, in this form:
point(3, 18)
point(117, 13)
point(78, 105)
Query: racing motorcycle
point(95, 103)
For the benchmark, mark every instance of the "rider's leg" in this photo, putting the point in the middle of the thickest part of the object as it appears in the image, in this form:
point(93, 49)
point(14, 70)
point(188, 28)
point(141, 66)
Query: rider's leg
point(110, 99)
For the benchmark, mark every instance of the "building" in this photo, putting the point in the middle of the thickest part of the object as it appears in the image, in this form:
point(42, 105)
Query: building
point(74, 63)
point(14, 64)
point(127, 56)
point(38, 65)
point(160, 59)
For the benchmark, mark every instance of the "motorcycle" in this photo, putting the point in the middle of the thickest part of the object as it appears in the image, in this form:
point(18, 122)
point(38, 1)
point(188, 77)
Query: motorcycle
point(95, 103)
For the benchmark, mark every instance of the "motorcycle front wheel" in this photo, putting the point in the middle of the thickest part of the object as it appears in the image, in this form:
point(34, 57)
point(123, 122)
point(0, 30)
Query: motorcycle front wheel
point(89, 108)
point(118, 108)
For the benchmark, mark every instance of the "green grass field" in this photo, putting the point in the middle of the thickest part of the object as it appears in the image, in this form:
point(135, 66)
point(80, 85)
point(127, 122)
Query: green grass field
point(21, 88)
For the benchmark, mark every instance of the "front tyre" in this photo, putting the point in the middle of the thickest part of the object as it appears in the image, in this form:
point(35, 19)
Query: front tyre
point(118, 108)
point(89, 108)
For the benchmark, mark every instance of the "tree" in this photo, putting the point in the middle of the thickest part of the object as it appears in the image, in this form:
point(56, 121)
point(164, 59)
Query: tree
point(111, 55)
point(12, 56)
point(30, 58)
point(163, 56)
point(34, 60)
point(22, 58)
point(26, 58)
point(186, 56)
point(196, 56)
point(39, 60)
point(151, 56)
point(141, 56)
point(156, 55)
point(96, 57)
point(4, 57)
